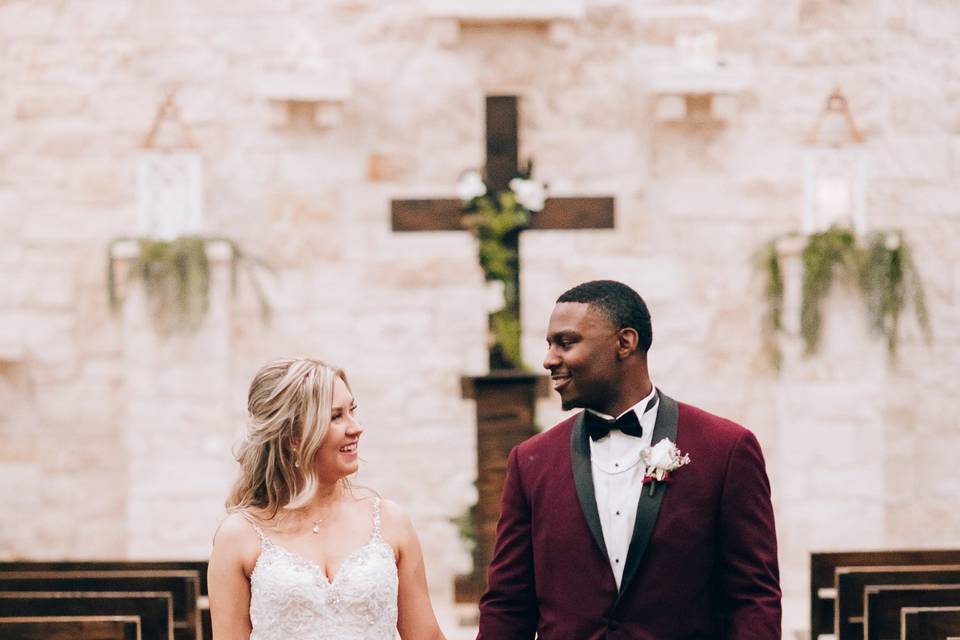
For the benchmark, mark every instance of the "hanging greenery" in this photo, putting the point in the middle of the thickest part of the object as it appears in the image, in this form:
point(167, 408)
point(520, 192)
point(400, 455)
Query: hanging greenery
point(890, 281)
point(175, 275)
point(465, 526)
point(496, 218)
point(881, 267)
point(769, 263)
point(825, 253)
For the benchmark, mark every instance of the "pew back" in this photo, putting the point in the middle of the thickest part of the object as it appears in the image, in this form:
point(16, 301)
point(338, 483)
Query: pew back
point(155, 610)
point(851, 583)
point(200, 566)
point(183, 586)
point(823, 564)
point(882, 604)
point(929, 623)
point(71, 628)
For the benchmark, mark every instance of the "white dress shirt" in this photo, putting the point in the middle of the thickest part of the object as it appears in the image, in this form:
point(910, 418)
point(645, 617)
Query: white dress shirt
point(618, 482)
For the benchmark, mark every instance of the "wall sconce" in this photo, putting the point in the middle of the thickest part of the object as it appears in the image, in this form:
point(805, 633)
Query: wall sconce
point(835, 171)
point(169, 178)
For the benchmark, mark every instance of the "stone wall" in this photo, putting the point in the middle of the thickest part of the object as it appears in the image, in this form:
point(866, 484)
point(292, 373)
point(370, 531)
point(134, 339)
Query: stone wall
point(116, 443)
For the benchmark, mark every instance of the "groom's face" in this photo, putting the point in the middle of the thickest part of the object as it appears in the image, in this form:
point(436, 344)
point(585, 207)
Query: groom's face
point(582, 356)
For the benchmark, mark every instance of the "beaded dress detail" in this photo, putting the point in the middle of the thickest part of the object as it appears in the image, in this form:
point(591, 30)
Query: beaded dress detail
point(291, 597)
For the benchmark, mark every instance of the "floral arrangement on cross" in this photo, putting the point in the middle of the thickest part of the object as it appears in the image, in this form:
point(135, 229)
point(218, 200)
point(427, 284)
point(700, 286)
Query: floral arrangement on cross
point(496, 219)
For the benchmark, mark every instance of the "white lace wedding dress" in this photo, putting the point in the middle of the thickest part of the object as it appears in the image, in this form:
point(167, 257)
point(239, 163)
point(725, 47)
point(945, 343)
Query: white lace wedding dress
point(291, 597)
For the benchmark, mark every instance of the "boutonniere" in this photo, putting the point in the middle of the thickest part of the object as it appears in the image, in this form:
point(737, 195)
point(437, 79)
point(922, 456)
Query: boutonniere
point(660, 460)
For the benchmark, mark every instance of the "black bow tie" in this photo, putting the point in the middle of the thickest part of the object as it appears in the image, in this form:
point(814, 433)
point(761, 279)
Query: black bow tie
point(599, 427)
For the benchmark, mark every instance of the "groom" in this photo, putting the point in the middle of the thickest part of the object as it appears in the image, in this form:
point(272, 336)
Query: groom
point(590, 544)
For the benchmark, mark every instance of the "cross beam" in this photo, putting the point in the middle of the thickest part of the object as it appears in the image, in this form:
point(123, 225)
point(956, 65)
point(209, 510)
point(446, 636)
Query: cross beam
point(445, 214)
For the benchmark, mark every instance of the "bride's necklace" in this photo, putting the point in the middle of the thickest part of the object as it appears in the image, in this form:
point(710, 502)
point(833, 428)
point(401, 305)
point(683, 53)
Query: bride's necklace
point(319, 521)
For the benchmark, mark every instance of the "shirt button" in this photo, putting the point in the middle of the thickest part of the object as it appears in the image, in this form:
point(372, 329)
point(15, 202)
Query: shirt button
point(617, 560)
point(616, 464)
point(618, 513)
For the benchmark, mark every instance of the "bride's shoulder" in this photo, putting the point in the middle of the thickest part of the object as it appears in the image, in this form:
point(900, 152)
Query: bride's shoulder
point(236, 526)
point(393, 513)
point(236, 538)
point(395, 523)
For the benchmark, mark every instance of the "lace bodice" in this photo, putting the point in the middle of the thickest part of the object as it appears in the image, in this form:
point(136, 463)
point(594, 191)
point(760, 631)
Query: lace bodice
point(291, 597)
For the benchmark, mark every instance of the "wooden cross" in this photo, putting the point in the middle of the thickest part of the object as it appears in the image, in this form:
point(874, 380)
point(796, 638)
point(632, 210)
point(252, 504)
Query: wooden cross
point(502, 144)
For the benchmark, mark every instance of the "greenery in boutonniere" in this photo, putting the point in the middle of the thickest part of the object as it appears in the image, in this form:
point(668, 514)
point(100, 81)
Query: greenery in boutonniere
point(496, 218)
point(881, 267)
point(175, 275)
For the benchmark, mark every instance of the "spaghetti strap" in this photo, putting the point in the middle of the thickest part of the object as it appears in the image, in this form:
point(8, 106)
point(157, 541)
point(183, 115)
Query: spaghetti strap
point(376, 517)
point(256, 527)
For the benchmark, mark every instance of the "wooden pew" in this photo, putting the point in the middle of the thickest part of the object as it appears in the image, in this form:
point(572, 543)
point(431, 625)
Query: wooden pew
point(71, 628)
point(823, 564)
point(882, 604)
point(200, 566)
point(929, 623)
point(183, 586)
point(851, 583)
point(155, 610)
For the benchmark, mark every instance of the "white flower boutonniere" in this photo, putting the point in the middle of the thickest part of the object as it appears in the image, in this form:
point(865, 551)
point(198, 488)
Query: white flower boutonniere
point(660, 460)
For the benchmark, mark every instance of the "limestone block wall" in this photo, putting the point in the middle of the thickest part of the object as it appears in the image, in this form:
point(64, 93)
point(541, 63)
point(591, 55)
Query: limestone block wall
point(115, 443)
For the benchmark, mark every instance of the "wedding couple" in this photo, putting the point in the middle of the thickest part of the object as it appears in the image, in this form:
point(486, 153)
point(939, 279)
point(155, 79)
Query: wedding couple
point(639, 518)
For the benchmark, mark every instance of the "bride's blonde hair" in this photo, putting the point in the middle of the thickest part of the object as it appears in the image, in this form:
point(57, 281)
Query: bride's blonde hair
point(289, 406)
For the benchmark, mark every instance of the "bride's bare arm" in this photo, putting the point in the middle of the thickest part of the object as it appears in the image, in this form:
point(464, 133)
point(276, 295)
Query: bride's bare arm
point(234, 546)
point(416, 619)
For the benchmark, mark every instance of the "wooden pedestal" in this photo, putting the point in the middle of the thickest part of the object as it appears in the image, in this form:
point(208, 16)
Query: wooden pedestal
point(506, 402)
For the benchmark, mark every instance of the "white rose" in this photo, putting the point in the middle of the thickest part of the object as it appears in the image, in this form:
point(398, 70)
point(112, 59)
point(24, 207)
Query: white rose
point(470, 186)
point(662, 455)
point(531, 195)
point(892, 241)
point(494, 298)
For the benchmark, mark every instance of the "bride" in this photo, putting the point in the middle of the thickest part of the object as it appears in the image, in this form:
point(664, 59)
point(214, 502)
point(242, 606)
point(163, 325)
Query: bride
point(302, 555)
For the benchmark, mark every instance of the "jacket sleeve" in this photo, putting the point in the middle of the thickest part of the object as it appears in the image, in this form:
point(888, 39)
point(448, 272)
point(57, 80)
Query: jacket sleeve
point(749, 598)
point(509, 607)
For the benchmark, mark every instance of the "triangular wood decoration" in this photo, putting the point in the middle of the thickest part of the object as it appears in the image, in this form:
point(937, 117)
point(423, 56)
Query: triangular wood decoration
point(168, 113)
point(836, 104)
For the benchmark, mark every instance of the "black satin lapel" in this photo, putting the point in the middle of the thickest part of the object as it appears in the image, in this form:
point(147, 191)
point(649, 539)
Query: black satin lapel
point(649, 507)
point(583, 478)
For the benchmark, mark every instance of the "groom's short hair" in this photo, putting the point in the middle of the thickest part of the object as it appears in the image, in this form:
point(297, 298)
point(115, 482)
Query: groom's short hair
point(622, 305)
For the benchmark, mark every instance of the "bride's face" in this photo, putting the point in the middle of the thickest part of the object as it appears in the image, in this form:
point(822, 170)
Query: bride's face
point(338, 455)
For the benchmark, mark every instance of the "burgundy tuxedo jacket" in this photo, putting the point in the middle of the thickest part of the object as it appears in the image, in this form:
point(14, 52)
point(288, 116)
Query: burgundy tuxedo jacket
point(702, 563)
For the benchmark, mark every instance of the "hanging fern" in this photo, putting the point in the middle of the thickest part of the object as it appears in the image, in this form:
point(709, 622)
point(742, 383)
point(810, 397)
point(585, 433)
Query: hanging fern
point(889, 281)
point(175, 275)
point(824, 253)
point(769, 262)
point(883, 269)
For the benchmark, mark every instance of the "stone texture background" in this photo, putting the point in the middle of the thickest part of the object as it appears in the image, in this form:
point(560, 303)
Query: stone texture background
point(116, 443)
